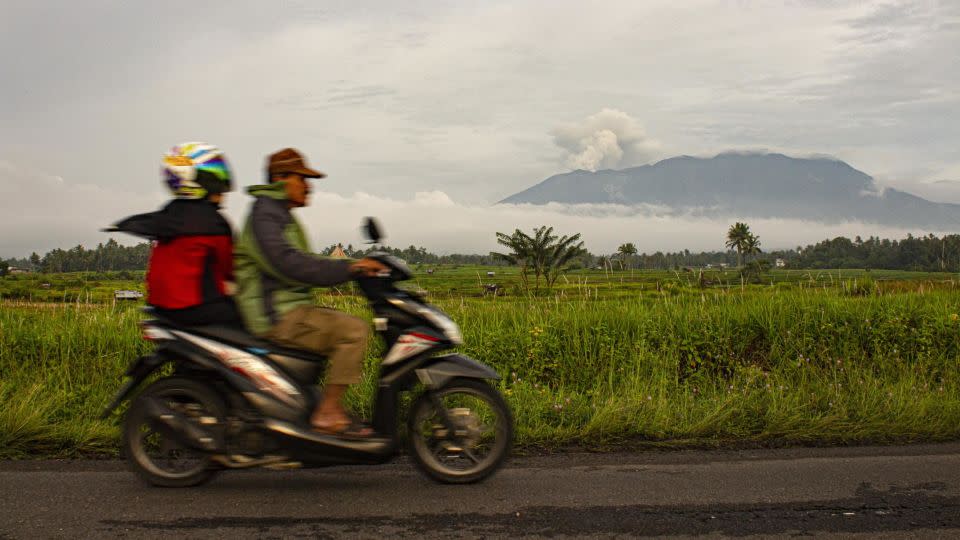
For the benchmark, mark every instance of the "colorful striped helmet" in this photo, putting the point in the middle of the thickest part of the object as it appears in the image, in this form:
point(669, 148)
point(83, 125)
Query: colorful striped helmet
point(194, 169)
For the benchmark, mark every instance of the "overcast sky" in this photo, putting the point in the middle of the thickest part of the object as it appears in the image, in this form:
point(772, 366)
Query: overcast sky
point(429, 112)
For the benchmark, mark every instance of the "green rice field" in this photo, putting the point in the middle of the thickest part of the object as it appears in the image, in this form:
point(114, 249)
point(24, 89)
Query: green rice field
point(606, 359)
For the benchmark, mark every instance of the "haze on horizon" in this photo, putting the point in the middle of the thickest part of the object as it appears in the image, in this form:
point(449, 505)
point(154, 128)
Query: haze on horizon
point(433, 110)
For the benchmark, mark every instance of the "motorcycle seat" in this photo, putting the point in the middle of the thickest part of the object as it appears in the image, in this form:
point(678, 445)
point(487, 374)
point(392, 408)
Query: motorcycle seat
point(238, 337)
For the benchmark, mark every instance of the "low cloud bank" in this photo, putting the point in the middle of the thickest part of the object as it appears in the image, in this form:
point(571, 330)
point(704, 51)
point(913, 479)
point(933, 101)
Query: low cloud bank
point(433, 220)
point(39, 212)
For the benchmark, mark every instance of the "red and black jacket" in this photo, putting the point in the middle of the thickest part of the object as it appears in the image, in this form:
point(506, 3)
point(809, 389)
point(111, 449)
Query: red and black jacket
point(191, 259)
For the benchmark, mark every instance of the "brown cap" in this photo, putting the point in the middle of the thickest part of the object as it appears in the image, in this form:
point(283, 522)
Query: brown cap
point(289, 160)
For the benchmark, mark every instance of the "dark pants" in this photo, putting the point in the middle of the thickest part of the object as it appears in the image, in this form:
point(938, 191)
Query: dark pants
point(220, 312)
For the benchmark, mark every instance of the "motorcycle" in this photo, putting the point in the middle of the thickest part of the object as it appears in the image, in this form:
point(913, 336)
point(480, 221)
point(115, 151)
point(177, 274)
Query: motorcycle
point(225, 399)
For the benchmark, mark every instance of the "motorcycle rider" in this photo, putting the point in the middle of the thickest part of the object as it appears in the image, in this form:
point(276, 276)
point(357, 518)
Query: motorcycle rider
point(191, 261)
point(275, 274)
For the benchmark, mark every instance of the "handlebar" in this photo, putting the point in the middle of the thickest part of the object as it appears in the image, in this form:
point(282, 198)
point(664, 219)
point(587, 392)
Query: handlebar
point(398, 269)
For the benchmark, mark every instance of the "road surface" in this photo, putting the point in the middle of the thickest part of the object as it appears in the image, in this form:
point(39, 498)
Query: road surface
point(866, 492)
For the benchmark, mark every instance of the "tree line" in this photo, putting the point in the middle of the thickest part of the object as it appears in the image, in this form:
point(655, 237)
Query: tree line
point(922, 253)
point(107, 256)
point(112, 256)
point(415, 255)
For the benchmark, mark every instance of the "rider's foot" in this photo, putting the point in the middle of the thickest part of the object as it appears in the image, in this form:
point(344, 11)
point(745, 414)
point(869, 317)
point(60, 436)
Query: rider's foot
point(345, 428)
point(330, 418)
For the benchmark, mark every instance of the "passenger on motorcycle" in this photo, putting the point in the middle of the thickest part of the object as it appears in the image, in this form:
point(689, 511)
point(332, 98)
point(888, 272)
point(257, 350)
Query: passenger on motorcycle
point(191, 261)
point(275, 275)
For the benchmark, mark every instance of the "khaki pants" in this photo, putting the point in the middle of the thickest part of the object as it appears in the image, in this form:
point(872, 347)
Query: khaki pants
point(341, 337)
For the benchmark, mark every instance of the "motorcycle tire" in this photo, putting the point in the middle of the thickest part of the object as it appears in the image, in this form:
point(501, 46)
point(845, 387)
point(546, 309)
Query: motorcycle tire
point(180, 466)
point(438, 453)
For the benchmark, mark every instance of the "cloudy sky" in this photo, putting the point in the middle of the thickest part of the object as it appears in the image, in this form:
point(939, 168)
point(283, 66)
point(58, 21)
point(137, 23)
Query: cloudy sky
point(426, 113)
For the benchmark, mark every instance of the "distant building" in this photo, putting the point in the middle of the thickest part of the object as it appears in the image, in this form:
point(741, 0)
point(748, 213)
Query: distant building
point(780, 263)
point(491, 274)
point(15, 270)
point(127, 295)
point(338, 252)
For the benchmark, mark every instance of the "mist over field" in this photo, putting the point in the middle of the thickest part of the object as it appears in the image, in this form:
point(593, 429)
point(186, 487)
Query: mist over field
point(429, 219)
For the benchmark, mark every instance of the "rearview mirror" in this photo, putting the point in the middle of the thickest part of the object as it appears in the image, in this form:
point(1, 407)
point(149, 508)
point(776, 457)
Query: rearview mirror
point(371, 230)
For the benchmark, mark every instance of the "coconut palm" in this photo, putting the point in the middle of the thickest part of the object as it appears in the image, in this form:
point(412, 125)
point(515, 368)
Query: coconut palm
point(751, 245)
point(626, 251)
point(737, 239)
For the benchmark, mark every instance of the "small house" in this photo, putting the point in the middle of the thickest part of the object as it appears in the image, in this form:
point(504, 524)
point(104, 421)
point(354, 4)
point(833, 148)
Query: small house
point(127, 295)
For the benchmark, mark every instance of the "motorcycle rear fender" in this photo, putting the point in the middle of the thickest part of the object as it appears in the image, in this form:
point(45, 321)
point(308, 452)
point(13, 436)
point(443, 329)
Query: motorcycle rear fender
point(144, 366)
point(439, 370)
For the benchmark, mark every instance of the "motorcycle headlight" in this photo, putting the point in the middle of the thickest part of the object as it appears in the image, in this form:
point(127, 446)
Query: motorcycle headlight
point(444, 323)
point(441, 321)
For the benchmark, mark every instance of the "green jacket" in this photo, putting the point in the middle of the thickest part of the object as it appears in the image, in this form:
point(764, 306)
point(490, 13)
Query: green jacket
point(274, 267)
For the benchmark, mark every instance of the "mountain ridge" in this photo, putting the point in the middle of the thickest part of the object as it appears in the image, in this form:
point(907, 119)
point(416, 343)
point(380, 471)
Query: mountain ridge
point(754, 185)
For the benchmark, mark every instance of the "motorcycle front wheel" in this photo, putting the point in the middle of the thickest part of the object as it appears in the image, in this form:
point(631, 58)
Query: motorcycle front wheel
point(460, 433)
point(154, 456)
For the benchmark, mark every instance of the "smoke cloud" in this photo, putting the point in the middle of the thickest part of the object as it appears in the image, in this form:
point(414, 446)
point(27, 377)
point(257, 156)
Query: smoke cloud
point(606, 140)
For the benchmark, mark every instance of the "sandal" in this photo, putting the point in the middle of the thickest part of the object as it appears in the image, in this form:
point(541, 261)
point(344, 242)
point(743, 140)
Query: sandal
point(348, 429)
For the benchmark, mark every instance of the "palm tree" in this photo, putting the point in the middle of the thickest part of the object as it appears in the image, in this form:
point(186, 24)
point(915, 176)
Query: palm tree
point(737, 239)
point(541, 248)
point(626, 251)
point(543, 253)
point(520, 252)
point(566, 248)
point(751, 245)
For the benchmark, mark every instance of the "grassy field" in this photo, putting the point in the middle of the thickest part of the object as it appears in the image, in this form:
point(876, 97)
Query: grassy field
point(605, 359)
point(469, 281)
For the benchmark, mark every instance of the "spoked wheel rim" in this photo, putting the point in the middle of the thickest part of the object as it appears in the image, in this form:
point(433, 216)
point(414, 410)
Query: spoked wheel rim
point(478, 440)
point(161, 454)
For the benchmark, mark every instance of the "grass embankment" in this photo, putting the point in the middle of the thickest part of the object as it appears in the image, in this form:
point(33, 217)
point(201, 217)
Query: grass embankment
point(763, 366)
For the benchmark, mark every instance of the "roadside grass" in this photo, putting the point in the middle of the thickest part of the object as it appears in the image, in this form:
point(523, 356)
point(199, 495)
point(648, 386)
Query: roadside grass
point(690, 367)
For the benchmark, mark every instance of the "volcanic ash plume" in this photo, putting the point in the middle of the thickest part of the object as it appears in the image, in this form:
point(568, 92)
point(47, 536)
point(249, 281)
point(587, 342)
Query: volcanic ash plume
point(606, 140)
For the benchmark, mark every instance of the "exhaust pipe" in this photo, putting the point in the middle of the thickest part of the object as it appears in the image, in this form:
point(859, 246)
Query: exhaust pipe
point(180, 428)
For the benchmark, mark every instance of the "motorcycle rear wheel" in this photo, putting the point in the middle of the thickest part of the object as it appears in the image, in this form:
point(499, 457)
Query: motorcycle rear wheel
point(480, 441)
point(157, 458)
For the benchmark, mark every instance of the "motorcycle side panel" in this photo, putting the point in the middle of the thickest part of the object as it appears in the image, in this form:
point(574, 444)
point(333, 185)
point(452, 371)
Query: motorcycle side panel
point(304, 371)
point(144, 366)
point(272, 408)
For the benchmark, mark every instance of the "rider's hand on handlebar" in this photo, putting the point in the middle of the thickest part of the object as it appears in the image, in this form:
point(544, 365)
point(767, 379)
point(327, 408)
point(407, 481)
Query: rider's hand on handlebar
point(368, 267)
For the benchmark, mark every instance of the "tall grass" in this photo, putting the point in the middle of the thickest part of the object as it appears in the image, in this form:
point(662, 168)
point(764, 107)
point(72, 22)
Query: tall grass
point(770, 365)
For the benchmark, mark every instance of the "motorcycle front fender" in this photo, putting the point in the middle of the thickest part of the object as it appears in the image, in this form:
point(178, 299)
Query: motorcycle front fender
point(439, 370)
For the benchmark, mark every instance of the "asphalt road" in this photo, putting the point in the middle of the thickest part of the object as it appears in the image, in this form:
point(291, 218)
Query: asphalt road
point(884, 492)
